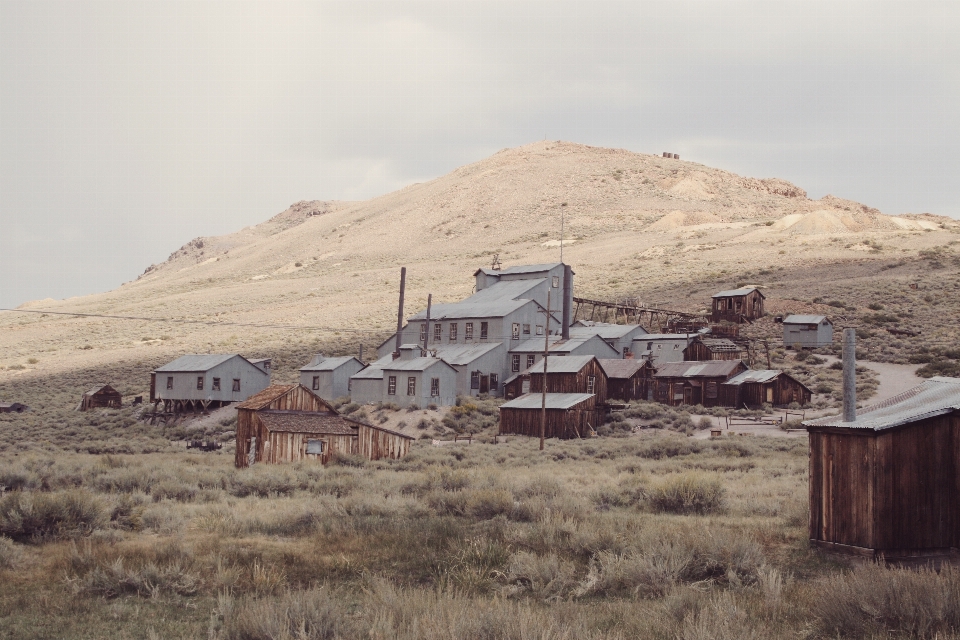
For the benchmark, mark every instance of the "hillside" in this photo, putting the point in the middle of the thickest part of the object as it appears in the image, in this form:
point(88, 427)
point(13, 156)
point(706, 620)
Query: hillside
point(667, 231)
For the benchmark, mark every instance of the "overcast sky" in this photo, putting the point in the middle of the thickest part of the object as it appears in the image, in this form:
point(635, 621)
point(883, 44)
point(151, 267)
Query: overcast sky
point(128, 128)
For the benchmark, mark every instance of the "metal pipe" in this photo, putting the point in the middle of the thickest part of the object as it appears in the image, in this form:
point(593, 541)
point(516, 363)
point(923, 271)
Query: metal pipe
point(403, 286)
point(543, 399)
point(849, 375)
point(567, 300)
point(426, 334)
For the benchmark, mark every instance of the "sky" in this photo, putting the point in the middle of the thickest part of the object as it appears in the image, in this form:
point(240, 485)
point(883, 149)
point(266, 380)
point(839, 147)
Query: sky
point(129, 127)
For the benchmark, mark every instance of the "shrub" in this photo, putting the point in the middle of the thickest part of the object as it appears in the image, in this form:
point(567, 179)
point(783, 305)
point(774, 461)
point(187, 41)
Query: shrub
point(10, 554)
point(688, 493)
point(25, 515)
point(308, 615)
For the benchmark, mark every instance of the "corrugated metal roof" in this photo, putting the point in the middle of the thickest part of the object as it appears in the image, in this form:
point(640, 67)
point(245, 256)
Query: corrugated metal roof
point(736, 292)
point(554, 401)
point(708, 369)
point(719, 344)
point(507, 290)
point(370, 373)
point(759, 375)
point(621, 368)
point(464, 354)
point(566, 364)
point(606, 331)
point(535, 345)
point(934, 397)
point(308, 422)
point(804, 319)
point(666, 336)
point(265, 397)
point(201, 362)
point(415, 364)
point(329, 364)
point(494, 308)
point(523, 268)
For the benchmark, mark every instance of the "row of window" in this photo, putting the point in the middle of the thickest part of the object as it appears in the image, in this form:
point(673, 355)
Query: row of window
point(453, 331)
point(412, 386)
point(515, 362)
point(200, 382)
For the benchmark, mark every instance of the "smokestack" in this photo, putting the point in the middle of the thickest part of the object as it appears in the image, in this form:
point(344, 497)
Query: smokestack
point(426, 334)
point(403, 286)
point(849, 375)
point(567, 301)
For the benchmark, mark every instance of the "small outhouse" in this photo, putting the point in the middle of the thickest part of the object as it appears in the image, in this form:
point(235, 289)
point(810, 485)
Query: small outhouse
point(102, 396)
point(807, 331)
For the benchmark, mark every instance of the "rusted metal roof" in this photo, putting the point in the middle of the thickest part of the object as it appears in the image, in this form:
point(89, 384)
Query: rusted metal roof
point(689, 369)
point(265, 397)
point(736, 292)
point(308, 422)
point(934, 397)
point(759, 375)
point(620, 368)
point(554, 401)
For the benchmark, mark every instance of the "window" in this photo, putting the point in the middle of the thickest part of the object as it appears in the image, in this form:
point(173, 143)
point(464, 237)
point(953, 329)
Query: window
point(423, 332)
point(514, 366)
point(531, 360)
point(200, 382)
point(483, 330)
point(453, 332)
point(434, 387)
point(711, 390)
point(676, 346)
point(236, 384)
point(556, 281)
point(516, 330)
point(591, 383)
point(169, 382)
point(216, 385)
point(316, 383)
point(525, 386)
point(526, 329)
point(392, 386)
point(475, 379)
point(316, 447)
point(468, 332)
point(411, 386)
point(494, 381)
point(437, 332)
point(649, 346)
point(539, 329)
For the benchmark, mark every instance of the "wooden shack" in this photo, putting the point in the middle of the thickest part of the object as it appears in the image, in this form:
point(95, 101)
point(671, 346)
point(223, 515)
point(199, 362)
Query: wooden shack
point(287, 423)
point(807, 331)
point(627, 379)
point(691, 383)
point(569, 415)
point(101, 397)
point(752, 389)
point(889, 483)
point(737, 305)
point(702, 348)
point(567, 374)
point(12, 407)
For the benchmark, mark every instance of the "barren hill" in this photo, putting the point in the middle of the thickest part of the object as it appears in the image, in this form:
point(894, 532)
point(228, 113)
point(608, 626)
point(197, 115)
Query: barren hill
point(634, 224)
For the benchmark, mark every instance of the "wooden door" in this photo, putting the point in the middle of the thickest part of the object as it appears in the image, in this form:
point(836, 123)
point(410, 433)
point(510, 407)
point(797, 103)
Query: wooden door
point(484, 384)
point(688, 395)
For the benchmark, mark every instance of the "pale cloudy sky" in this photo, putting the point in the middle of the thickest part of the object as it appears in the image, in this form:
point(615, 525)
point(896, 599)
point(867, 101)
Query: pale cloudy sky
point(129, 127)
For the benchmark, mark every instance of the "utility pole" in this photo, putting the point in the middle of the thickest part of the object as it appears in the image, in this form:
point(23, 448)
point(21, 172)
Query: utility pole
point(546, 353)
point(403, 285)
point(426, 334)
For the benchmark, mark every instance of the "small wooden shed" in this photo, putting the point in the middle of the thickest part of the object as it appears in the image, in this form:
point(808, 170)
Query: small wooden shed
point(691, 383)
point(702, 349)
point(569, 415)
point(889, 483)
point(737, 305)
point(807, 331)
point(287, 423)
point(754, 388)
point(12, 407)
point(568, 374)
point(627, 379)
point(104, 396)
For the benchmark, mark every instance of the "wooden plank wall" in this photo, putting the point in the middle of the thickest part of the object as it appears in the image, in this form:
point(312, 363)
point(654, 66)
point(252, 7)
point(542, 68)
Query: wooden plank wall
point(561, 423)
point(375, 444)
point(572, 382)
point(666, 390)
point(280, 447)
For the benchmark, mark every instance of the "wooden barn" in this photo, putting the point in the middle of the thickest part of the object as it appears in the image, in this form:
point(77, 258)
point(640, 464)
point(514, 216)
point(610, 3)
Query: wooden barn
point(287, 423)
point(12, 407)
point(737, 305)
point(627, 379)
point(691, 383)
point(752, 389)
point(888, 483)
point(105, 396)
point(568, 374)
point(702, 348)
point(569, 415)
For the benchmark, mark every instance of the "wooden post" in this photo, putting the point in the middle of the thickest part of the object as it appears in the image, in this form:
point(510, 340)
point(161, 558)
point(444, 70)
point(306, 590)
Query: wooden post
point(403, 285)
point(546, 354)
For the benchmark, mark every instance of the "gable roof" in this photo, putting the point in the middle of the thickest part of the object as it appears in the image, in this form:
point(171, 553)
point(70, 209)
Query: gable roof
point(554, 401)
point(101, 389)
point(519, 269)
point(619, 368)
point(506, 290)
point(559, 345)
point(319, 422)
point(195, 363)
point(934, 397)
point(494, 308)
point(416, 364)
point(737, 292)
point(805, 319)
point(464, 354)
point(566, 364)
point(330, 364)
point(758, 375)
point(694, 369)
point(263, 399)
point(606, 331)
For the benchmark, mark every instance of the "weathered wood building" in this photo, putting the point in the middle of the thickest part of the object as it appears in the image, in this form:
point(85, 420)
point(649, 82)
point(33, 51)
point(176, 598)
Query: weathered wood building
point(692, 383)
point(627, 379)
point(807, 331)
point(703, 348)
point(569, 415)
point(101, 397)
point(752, 389)
point(287, 423)
point(889, 482)
point(569, 374)
point(737, 305)
point(13, 407)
